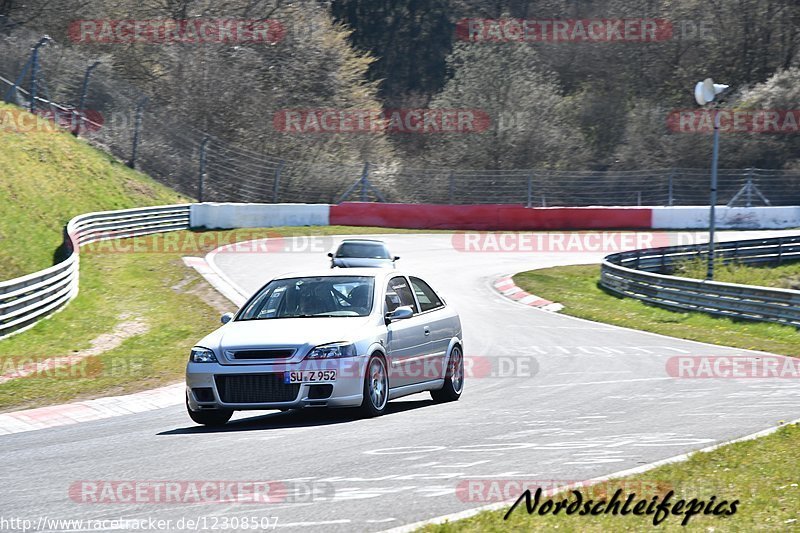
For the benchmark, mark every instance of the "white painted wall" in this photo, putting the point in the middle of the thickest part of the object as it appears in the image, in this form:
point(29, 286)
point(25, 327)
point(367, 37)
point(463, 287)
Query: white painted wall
point(696, 217)
point(230, 215)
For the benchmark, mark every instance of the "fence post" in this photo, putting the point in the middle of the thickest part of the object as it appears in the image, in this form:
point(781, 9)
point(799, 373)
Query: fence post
point(35, 71)
point(530, 190)
point(277, 182)
point(136, 129)
point(202, 175)
point(82, 101)
point(749, 190)
point(364, 175)
point(670, 198)
point(639, 198)
point(450, 187)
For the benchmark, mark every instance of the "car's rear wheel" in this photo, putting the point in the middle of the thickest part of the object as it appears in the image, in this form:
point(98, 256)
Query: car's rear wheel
point(454, 378)
point(210, 417)
point(376, 388)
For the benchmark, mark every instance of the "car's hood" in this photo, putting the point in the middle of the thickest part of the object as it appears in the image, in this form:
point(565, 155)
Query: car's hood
point(285, 332)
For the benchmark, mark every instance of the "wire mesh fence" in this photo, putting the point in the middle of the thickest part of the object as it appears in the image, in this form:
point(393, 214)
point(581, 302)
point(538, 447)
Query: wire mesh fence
point(115, 116)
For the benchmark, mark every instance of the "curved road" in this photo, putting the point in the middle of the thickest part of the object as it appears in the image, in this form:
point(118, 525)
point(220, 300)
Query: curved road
point(564, 399)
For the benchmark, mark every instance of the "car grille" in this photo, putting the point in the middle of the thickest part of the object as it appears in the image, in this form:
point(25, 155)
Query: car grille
point(284, 353)
point(255, 388)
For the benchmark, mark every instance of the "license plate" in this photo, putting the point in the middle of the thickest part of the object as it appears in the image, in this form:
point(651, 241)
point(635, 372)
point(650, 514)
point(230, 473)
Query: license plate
point(309, 376)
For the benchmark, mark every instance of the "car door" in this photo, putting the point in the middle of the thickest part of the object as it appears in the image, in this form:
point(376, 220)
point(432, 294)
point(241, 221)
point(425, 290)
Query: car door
point(438, 327)
point(405, 338)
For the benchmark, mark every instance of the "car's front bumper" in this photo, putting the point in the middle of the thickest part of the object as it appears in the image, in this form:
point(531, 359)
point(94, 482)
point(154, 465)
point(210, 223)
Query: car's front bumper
point(211, 385)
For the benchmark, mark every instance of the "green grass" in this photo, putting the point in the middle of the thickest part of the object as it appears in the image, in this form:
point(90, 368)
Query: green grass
point(576, 287)
point(786, 276)
point(760, 473)
point(46, 178)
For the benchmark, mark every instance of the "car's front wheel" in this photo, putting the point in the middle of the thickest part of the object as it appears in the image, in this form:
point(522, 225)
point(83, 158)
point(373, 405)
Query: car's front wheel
point(210, 417)
point(454, 378)
point(376, 388)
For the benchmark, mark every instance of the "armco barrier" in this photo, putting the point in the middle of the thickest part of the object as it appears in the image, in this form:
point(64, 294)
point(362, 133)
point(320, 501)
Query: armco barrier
point(28, 299)
point(640, 274)
point(696, 217)
point(488, 217)
point(226, 215)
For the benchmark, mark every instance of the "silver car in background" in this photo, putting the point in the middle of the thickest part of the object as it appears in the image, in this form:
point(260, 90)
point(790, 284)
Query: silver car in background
point(356, 338)
point(362, 253)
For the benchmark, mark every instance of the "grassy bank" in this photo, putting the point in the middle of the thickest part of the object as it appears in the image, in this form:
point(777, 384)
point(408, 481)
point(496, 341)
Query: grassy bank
point(577, 288)
point(785, 276)
point(47, 176)
point(759, 473)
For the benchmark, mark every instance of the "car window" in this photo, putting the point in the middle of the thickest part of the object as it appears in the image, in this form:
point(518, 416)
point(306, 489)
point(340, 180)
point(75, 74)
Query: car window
point(426, 297)
point(399, 294)
point(371, 250)
point(312, 297)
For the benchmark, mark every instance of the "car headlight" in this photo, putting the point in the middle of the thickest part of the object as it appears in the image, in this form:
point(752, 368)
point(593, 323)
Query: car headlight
point(333, 351)
point(202, 355)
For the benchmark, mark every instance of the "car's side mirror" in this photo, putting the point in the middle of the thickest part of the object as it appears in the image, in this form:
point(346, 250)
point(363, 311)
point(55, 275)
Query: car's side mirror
point(330, 254)
point(400, 313)
point(227, 317)
point(396, 258)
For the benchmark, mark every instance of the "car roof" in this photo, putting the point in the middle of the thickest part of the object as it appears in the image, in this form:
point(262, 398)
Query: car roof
point(376, 241)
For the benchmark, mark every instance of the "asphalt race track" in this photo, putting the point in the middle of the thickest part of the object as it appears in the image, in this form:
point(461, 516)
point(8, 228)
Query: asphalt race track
point(571, 400)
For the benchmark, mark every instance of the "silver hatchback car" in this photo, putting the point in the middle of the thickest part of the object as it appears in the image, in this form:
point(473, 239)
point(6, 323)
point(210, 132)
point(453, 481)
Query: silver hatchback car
point(357, 338)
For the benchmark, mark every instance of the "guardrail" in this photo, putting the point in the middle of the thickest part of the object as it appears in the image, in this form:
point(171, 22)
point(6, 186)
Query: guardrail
point(643, 274)
point(27, 299)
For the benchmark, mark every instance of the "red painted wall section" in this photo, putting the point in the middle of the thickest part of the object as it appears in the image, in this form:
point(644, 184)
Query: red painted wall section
point(488, 217)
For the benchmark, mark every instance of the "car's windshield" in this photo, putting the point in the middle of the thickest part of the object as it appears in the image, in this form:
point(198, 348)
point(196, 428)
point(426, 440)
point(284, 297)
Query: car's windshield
point(371, 250)
point(307, 297)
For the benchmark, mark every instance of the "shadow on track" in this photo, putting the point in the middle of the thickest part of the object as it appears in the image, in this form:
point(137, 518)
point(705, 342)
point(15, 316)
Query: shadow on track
point(308, 417)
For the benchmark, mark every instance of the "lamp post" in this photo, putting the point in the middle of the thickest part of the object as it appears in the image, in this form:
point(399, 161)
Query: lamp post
point(704, 92)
